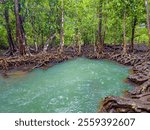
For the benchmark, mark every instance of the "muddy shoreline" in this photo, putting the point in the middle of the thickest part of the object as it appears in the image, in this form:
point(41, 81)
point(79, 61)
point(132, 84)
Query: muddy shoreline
point(137, 100)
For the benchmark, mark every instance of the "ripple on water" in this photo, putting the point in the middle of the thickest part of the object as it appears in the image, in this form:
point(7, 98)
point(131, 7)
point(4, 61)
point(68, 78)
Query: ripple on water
point(74, 86)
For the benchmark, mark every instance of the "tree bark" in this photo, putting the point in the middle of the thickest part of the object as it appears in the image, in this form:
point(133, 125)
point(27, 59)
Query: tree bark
point(148, 20)
point(34, 33)
point(48, 42)
point(104, 31)
point(20, 36)
point(124, 34)
point(115, 37)
point(62, 27)
point(78, 41)
point(99, 39)
point(134, 22)
point(12, 48)
point(100, 23)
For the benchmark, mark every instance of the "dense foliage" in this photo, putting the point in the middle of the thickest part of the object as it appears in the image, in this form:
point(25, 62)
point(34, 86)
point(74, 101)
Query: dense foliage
point(42, 19)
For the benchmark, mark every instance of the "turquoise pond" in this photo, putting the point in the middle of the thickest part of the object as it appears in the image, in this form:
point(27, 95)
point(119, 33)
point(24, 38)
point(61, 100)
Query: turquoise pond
point(74, 86)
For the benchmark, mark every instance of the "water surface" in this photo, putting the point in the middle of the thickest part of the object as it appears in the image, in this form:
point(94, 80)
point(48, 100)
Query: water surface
point(74, 86)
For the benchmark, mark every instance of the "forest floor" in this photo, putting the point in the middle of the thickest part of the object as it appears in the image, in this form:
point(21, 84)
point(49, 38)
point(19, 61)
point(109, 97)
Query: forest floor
point(137, 100)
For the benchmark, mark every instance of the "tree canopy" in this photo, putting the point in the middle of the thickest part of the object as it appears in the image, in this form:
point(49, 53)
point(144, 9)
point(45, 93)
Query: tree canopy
point(74, 21)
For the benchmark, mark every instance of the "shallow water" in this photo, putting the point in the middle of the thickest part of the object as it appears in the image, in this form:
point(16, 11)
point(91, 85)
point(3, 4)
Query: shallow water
point(74, 86)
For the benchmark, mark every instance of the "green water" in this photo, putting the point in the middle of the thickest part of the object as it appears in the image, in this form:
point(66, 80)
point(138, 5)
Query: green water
point(74, 86)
